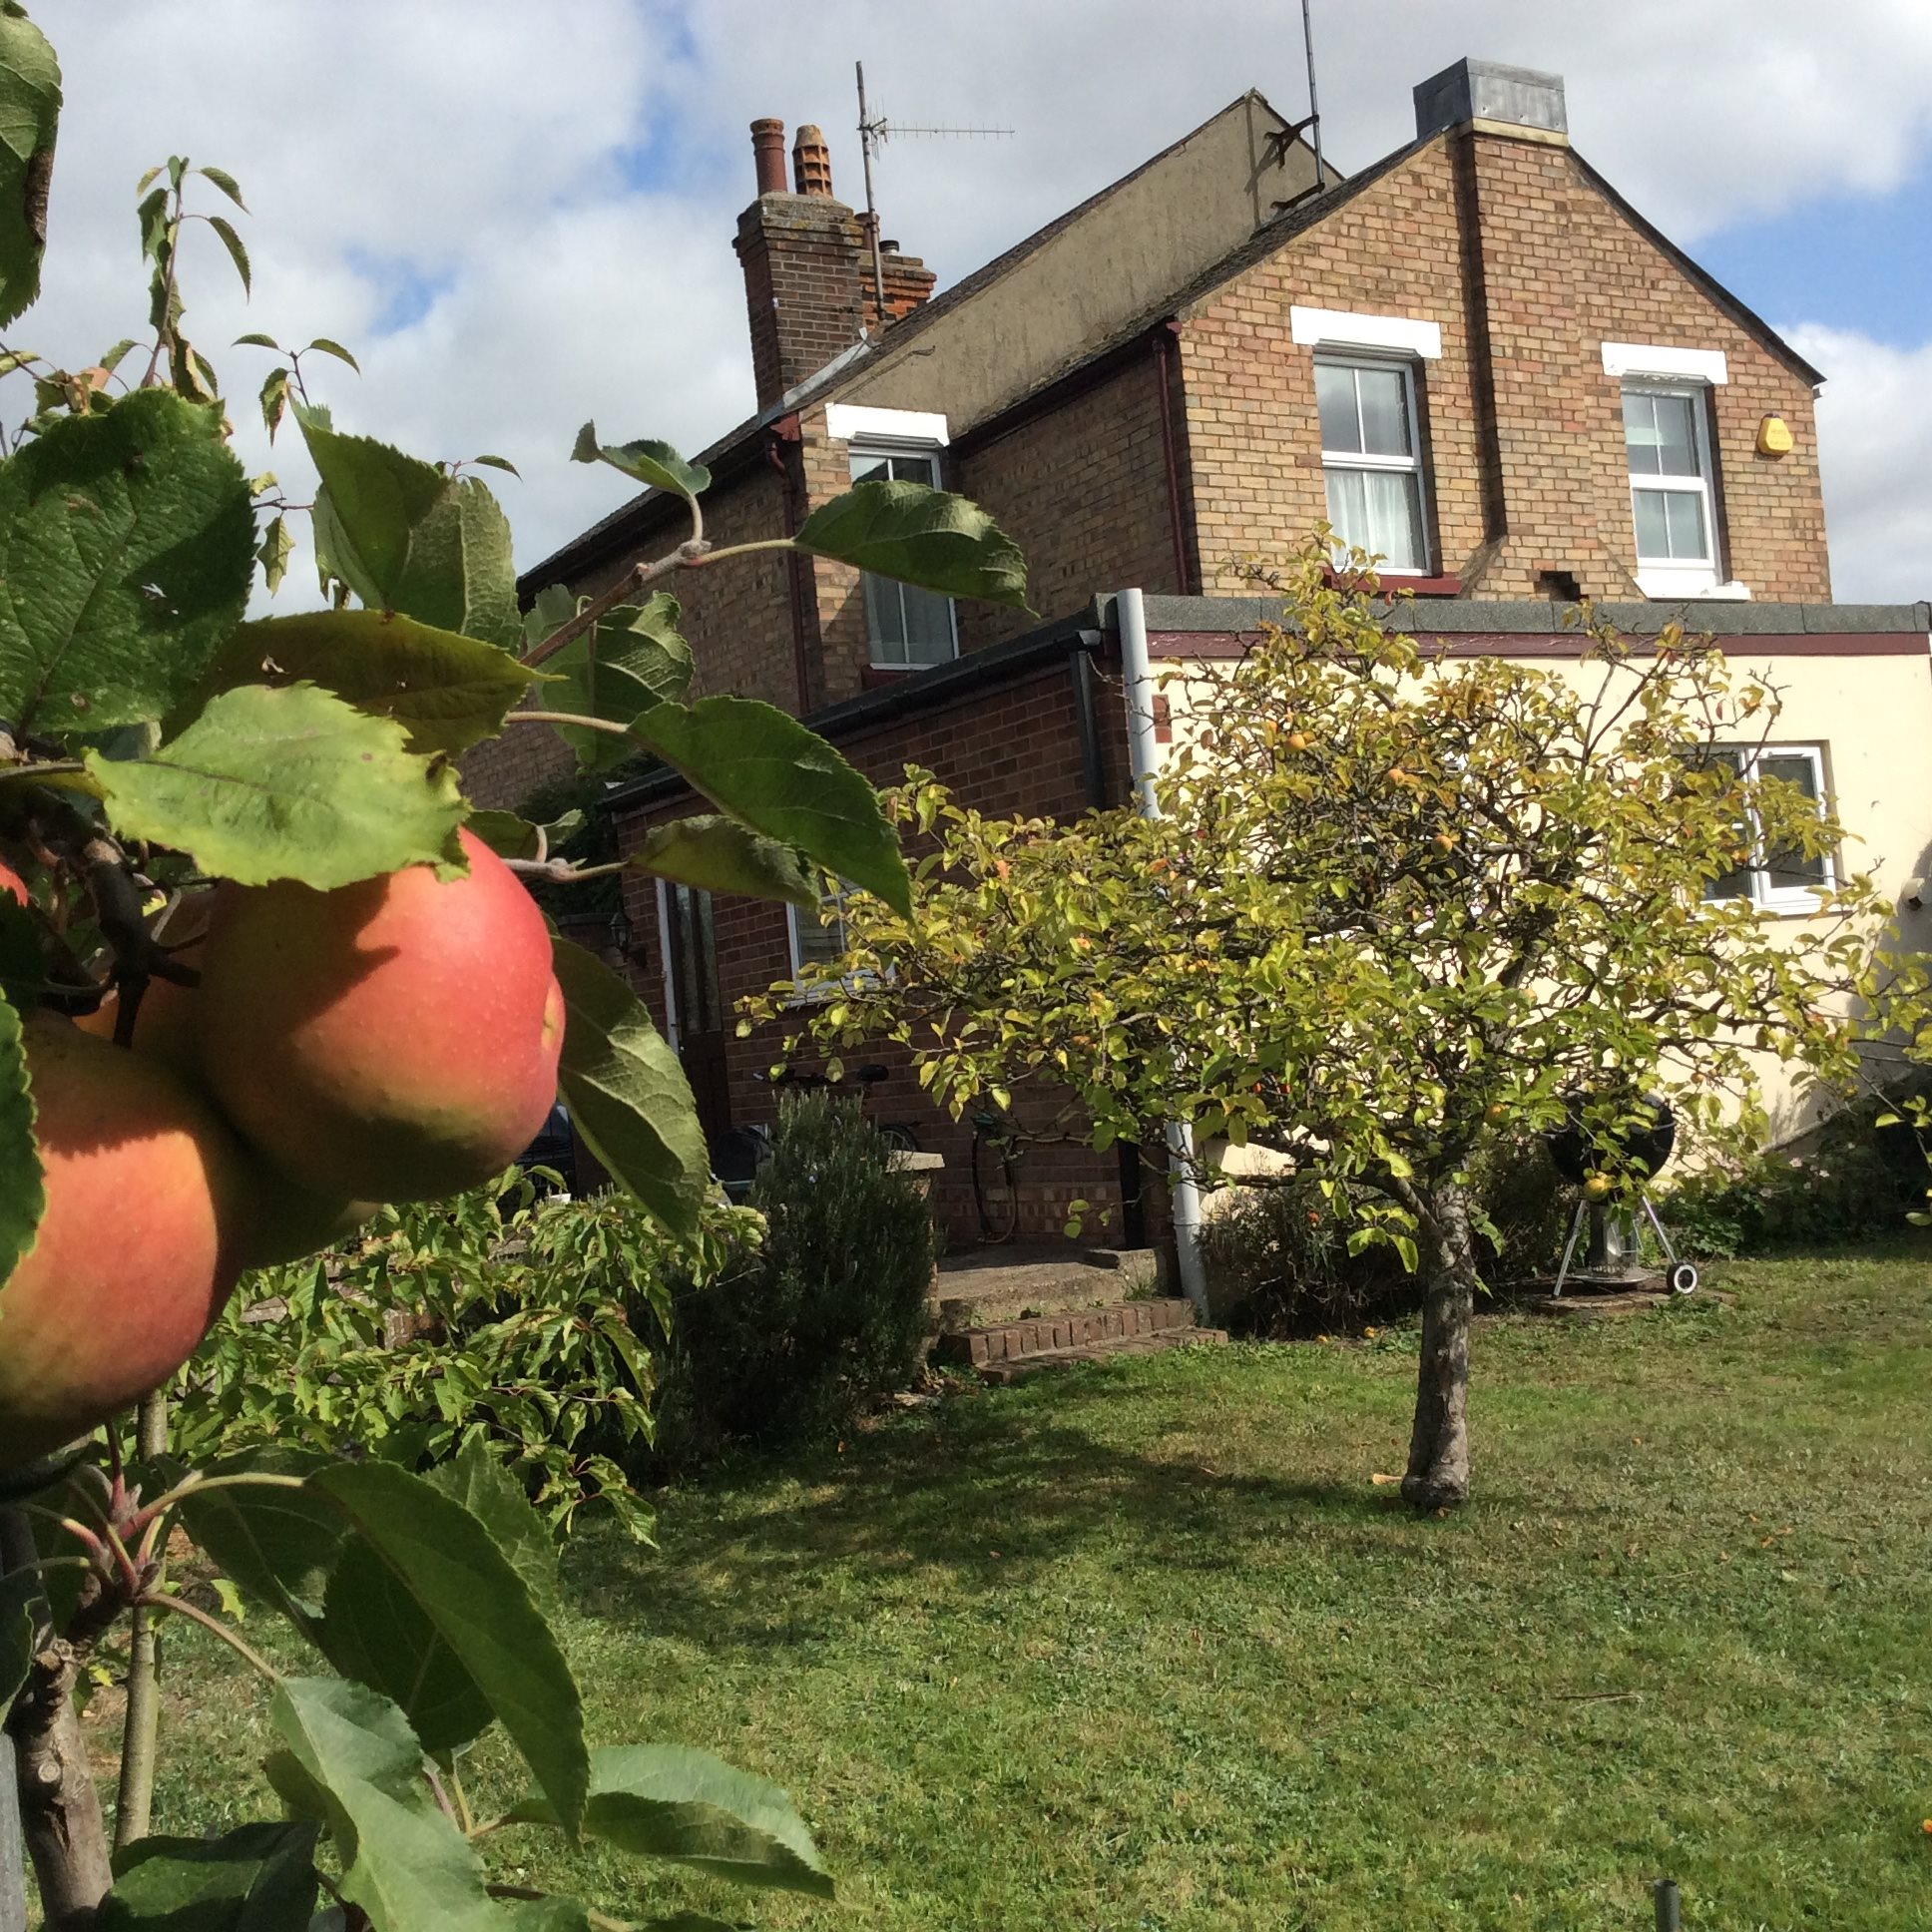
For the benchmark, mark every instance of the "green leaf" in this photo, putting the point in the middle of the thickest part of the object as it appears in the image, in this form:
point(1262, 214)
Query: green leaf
point(766, 770)
point(499, 463)
point(30, 101)
point(627, 1094)
point(116, 355)
point(288, 785)
point(277, 1543)
point(257, 342)
point(355, 1759)
point(450, 1562)
point(375, 1631)
point(445, 689)
point(404, 536)
point(655, 464)
point(23, 1199)
point(19, 360)
point(277, 546)
point(481, 1484)
point(127, 550)
point(274, 400)
point(720, 856)
point(338, 350)
point(226, 182)
point(236, 253)
point(921, 536)
point(631, 662)
point(257, 1878)
point(507, 835)
point(665, 1801)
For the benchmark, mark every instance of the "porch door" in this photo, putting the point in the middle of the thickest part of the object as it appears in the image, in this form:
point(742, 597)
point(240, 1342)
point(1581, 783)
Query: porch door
point(696, 1012)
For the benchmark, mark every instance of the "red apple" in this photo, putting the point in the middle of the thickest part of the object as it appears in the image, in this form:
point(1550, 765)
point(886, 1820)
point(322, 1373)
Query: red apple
point(137, 1251)
point(394, 1039)
point(12, 883)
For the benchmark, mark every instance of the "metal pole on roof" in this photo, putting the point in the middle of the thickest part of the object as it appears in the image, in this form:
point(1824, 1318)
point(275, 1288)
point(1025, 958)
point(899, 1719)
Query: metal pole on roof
point(869, 132)
point(1315, 108)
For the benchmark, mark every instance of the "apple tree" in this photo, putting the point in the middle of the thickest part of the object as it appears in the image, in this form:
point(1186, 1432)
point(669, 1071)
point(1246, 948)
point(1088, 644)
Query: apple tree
point(1394, 909)
point(262, 966)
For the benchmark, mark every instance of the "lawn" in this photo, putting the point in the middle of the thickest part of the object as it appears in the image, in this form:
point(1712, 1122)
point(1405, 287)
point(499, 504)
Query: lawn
point(1146, 1647)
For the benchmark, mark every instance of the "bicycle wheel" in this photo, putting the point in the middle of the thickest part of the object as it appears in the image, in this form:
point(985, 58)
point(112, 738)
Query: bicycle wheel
point(995, 1193)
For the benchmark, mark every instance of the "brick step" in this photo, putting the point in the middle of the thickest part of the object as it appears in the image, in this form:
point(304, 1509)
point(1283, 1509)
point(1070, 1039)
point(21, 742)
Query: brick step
point(1100, 1351)
point(992, 1293)
point(1011, 1341)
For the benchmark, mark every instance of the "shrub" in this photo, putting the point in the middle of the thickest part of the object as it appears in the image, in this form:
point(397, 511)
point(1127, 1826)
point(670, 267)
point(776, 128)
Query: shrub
point(833, 1311)
point(494, 1316)
point(1281, 1261)
point(1860, 1180)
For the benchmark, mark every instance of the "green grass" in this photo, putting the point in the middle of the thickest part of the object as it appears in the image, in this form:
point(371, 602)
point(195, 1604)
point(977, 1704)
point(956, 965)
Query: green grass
point(1144, 1646)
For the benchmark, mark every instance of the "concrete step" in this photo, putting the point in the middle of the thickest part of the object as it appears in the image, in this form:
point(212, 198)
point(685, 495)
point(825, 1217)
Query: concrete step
point(1100, 1351)
point(979, 1291)
point(1012, 1341)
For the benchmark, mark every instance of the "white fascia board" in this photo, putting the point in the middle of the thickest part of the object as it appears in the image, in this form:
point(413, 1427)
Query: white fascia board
point(853, 422)
point(1654, 358)
point(1344, 329)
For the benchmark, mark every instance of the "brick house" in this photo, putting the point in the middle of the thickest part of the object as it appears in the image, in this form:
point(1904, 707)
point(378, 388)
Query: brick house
point(1471, 358)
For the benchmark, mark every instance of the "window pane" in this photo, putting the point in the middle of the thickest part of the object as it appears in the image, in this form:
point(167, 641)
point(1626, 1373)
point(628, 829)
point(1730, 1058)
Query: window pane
point(1379, 511)
point(928, 626)
point(869, 468)
point(1788, 870)
point(1639, 435)
point(1335, 396)
point(1684, 512)
point(1385, 413)
point(885, 620)
point(916, 469)
point(1677, 442)
point(1653, 532)
point(821, 934)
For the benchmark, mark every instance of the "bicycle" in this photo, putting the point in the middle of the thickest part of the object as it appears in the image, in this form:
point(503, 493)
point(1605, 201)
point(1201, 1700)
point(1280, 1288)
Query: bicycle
point(995, 1136)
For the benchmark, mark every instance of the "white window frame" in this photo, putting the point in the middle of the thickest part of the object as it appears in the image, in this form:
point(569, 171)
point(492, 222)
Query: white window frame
point(1339, 357)
point(878, 447)
point(1678, 575)
point(794, 918)
point(1786, 900)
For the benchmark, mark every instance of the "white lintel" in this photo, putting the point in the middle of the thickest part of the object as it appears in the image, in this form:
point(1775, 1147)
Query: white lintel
point(1657, 358)
point(1345, 328)
point(853, 422)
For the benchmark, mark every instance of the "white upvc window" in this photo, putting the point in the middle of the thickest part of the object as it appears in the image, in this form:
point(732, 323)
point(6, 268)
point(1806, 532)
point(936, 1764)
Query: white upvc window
point(1667, 437)
point(1371, 459)
point(907, 628)
point(818, 938)
point(1775, 881)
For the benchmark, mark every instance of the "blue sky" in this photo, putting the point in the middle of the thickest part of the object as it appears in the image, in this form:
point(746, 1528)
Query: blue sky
point(520, 215)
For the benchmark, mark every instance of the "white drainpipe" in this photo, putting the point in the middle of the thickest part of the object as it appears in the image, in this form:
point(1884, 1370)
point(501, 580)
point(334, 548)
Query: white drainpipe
point(1131, 612)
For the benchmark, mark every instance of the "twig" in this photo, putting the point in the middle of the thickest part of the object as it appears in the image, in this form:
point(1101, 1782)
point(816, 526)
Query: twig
point(1597, 1696)
point(626, 586)
point(242, 1649)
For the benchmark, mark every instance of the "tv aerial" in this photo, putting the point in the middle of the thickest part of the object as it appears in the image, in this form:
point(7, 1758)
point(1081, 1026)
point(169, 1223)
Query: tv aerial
point(873, 132)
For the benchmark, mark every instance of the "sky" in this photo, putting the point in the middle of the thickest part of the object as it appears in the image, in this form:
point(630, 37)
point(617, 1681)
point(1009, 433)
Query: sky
point(520, 216)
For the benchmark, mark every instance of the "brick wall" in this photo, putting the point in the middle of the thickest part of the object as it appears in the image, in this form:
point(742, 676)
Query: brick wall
point(1012, 749)
point(1082, 490)
point(803, 289)
point(1529, 269)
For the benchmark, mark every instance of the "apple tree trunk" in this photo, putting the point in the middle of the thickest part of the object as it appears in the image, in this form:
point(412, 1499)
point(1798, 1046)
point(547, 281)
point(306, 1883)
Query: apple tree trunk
point(1438, 1472)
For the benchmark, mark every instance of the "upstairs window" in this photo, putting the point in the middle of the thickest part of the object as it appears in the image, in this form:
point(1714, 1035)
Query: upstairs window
point(1371, 459)
point(1669, 445)
point(1778, 882)
point(907, 628)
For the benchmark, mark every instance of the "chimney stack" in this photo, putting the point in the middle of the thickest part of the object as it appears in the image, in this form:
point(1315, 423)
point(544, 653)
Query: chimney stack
point(1493, 99)
point(807, 262)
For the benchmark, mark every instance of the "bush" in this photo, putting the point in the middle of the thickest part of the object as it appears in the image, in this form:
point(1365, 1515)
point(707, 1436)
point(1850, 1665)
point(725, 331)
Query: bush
point(493, 1315)
point(1279, 1258)
point(1858, 1183)
point(833, 1311)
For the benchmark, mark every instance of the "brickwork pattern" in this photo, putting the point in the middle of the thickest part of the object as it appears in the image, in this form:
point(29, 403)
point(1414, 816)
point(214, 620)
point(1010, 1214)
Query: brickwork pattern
point(1554, 270)
point(1082, 490)
point(803, 290)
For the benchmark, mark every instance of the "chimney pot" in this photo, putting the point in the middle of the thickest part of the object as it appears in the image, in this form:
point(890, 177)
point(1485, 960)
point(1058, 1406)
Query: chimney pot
point(812, 163)
point(767, 154)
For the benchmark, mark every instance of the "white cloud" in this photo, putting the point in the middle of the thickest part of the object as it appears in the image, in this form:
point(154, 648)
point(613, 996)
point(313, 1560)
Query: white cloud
point(1874, 430)
point(479, 161)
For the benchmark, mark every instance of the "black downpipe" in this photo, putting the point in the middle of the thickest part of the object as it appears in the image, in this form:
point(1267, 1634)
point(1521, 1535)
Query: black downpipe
point(1094, 767)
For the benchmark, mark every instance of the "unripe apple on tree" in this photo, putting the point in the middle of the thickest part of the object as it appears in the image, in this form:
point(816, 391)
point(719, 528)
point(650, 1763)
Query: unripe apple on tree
point(393, 1040)
point(140, 1245)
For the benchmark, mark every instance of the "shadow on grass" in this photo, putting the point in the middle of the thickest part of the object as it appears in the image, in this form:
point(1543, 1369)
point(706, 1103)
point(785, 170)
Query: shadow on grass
point(991, 1491)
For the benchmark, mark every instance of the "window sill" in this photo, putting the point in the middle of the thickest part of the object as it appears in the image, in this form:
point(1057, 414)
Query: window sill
point(1393, 582)
point(1666, 582)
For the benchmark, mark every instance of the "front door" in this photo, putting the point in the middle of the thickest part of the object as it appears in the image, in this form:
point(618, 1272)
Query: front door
point(696, 1012)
